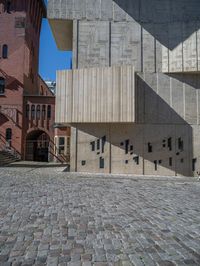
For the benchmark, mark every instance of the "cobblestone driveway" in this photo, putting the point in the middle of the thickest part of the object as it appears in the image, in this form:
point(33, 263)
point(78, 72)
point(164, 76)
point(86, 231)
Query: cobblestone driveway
point(48, 217)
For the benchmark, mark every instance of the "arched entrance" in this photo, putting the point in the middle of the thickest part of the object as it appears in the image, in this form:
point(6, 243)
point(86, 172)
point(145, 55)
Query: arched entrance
point(37, 146)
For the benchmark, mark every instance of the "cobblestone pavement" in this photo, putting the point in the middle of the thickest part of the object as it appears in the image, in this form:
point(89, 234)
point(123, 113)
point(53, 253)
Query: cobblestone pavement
point(50, 217)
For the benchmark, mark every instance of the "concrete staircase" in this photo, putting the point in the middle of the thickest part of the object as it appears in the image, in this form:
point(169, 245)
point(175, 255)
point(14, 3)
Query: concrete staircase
point(7, 158)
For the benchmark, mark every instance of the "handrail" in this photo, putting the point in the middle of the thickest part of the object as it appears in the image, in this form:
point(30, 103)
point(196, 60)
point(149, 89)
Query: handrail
point(9, 149)
point(60, 157)
point(53, 150)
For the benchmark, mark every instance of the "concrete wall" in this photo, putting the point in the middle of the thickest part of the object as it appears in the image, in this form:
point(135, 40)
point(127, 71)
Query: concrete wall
point(154, 36)
point(167, 121)
point(96, 95)
point(125, 10)
point(161, 39)
point(127, 151)
point(167, 99)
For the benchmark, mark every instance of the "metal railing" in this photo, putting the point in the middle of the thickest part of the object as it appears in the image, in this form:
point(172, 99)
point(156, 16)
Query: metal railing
point(54, 151)
point(7, 146)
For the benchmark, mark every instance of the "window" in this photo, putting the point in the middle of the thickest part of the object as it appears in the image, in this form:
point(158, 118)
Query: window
point(156, 165)
point(136, 159)
point(83, 163)
point(5, 51)
point(33, 111)
point(8, 6)
point(27, 110)
point(180, 144)
point(38, 112)
point(8, 134)
point(61, 145)
point(103, 143)
point(169, 143)
point(101, 163)
point(194, 164)
point(126, 146)
point(150, 149)
point(92, 145)
point(2, 85)
point(43, 111)
point(19, 22)
point(49, 111)
point(98, 144)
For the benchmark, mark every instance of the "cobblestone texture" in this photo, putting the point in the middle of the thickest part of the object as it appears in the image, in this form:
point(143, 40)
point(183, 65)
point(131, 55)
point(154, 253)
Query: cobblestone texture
point(50, 217)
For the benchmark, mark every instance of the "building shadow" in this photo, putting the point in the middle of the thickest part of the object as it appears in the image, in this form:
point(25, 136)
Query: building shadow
point(159, 142)
point(170, 22)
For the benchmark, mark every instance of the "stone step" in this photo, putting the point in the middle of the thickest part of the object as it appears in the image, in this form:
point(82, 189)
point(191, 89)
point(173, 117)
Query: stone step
point(6, 158)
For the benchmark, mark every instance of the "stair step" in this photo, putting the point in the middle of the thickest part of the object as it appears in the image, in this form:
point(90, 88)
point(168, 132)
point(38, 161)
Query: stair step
point(7, 158)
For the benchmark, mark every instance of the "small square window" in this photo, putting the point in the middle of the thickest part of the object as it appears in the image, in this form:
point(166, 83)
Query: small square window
point(19, 22)
point(83, 163)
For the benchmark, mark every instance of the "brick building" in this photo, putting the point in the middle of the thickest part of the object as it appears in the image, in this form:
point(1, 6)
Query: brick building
point(27, 106)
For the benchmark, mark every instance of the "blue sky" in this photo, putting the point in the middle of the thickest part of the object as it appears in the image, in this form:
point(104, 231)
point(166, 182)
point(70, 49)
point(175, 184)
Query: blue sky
point(51, 59)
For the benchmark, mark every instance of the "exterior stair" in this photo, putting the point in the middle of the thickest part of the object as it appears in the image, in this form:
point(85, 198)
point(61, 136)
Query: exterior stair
point(7, 158)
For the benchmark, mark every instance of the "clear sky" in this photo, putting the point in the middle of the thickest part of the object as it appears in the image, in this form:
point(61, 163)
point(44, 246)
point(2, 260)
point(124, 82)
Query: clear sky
point(51, 59)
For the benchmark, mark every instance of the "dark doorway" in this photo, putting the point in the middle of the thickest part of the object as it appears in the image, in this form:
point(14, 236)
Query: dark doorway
point(37, 146)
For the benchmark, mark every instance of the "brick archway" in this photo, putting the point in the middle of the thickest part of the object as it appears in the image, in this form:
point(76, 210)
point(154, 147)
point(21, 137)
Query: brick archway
point(37, 146)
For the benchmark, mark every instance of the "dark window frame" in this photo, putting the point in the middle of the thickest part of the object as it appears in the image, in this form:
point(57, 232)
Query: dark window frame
point(2, 85)
point(92, 145)
point(5, 51)
point(150, 147)
point(38, 112)
point(43, 111)
point(27, 110)
point(8, 134)
point(49, 111)
point(33, 111)
point(7, 6)
point(61, 145)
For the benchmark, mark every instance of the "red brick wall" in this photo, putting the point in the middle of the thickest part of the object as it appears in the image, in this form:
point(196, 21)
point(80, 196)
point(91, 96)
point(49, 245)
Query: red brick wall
point(43, 122)
point(43, 88)
point(20, 30)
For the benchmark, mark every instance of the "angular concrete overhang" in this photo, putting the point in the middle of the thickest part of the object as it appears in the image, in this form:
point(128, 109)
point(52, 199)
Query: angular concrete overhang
point(63, 33)
point(96, 95)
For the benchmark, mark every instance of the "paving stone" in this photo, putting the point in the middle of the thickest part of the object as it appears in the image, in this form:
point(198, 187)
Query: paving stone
point(50, 217)
point(3, 258)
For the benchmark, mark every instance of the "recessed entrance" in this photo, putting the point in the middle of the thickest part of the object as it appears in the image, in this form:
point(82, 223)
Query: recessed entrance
point(37, 146)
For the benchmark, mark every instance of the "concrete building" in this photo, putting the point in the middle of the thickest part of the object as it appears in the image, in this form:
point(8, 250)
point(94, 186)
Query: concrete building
point(133, 95)
point(27, 106)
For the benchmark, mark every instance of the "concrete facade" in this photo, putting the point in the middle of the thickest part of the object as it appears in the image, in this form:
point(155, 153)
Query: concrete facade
point(161, 40)
point(96, 95)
